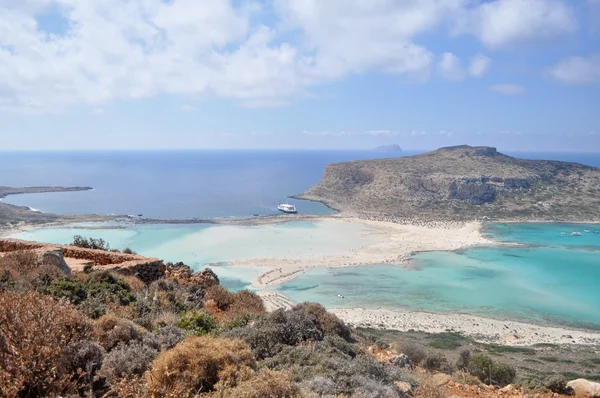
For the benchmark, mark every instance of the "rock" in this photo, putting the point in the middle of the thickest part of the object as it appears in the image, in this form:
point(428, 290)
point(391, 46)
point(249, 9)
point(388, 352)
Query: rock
point(402, 361)
point(440, 379)
point(404, 387)
point(55, 257)
point(205, 278)
point(585, 388)
point(509, 388)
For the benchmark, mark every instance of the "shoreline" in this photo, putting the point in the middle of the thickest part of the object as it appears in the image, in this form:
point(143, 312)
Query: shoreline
point(481, 329)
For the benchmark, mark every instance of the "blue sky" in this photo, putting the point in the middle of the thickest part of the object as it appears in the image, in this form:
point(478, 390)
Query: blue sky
point(150, 74)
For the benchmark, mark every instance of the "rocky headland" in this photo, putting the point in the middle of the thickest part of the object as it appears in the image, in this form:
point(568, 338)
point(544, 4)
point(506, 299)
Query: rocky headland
point(461, 183)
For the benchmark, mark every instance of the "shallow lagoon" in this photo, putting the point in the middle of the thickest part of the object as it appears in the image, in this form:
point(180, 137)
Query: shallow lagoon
point(201, 245)
point(553, 280)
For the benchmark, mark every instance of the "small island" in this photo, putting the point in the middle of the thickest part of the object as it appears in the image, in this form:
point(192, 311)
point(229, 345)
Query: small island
point(393, 148)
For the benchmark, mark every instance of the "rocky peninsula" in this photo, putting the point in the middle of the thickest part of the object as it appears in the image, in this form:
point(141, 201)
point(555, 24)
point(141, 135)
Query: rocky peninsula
point(18, 217)
point(461, 183)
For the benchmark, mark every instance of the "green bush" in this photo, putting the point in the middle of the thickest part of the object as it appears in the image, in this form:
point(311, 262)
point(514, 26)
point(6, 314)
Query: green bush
point(90, 243)
point(269, 333)
point(334, 367)
point(435, 361)
point(126, 361)
point(99, 285)
point(198, 323)
point(557, 384)
point(490, 372)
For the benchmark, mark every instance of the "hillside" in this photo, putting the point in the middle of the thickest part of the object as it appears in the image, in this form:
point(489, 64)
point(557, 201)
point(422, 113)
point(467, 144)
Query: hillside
point(125, 326)
point(462, 183)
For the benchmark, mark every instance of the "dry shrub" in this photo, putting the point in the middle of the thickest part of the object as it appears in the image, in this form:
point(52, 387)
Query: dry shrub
point(264, 384)
point(329, 323)
point(127, 361)
point(129, 388)
point(246, 303)
point(34, 330)
point(428, 389)
point(111, 330)
point(463, 377)
point(135, 283)
point(413, 351)
point(24, 270)
point(221, 297)
point(196, 365)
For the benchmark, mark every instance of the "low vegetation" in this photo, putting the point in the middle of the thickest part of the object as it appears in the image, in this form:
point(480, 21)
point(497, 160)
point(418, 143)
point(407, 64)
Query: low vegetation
point(90, 243)
point(99, 334)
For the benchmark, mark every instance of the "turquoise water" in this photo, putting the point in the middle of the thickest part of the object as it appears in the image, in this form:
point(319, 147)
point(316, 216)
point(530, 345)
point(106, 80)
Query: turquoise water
point(554, 279)
point(201, 245)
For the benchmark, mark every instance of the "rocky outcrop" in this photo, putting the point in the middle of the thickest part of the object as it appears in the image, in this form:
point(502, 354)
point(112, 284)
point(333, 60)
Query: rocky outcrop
point(55, 258)
point(401, 361)
point(205, 278)
point(462, 183)
point(584, 388)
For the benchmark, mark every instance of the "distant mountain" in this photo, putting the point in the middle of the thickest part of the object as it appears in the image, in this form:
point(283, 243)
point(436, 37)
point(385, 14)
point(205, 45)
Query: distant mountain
point(462, 183)
point(388, 148)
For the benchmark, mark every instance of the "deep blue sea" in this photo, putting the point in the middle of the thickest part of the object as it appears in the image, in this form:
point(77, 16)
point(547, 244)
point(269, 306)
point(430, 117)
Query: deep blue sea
point(184, 184)
point(552, 278)
point(171, 184)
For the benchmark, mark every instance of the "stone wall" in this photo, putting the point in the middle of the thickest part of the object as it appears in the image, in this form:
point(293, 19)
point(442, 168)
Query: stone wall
point(148, 269)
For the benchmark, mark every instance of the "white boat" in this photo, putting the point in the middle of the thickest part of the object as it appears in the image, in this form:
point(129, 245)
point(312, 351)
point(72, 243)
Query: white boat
point(287, 208)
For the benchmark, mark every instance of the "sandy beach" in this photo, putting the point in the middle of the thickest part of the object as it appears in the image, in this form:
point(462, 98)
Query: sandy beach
point(483, 330)
point(480, 329)
point(383, 243)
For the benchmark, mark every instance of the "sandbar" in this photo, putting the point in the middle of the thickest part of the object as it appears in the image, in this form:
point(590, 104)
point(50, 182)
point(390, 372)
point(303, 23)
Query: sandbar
point(380, 243)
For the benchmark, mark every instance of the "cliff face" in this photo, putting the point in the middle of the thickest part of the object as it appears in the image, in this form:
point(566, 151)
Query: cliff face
point(462, 183)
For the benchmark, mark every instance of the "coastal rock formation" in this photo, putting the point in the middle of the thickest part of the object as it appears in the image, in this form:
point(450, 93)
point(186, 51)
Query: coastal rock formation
point(585, 388)
point(205, 278)
point(462, 183)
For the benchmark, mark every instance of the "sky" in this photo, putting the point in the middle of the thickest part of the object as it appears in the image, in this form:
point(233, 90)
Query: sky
point(300, 74)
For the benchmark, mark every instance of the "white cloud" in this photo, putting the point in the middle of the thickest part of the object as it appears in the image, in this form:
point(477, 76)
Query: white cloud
point(577, 70)
point(384, 133)
point(328, 133)
point(188, 108)
point(418, 133)
point(143, 48)
point(98, 111)
point(257, 54)
point(479, 66)
point(503, 23)
point(508, 89)
point(450, 67)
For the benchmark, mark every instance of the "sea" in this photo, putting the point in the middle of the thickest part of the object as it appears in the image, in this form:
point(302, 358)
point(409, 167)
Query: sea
point(551, 278)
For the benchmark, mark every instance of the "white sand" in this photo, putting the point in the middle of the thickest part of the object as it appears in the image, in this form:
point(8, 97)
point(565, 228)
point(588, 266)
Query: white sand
point(379, 243)
point(480, 329)
point(484, 330)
